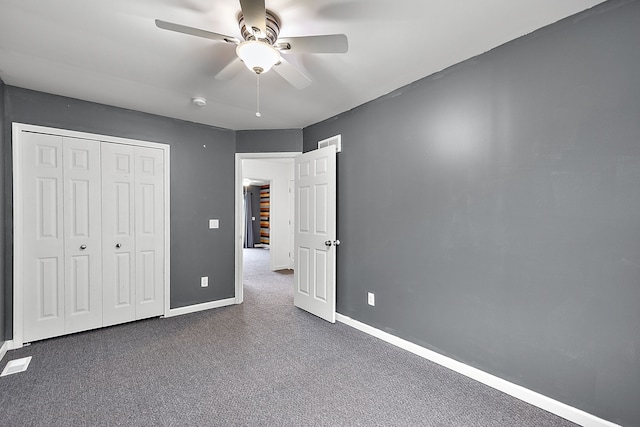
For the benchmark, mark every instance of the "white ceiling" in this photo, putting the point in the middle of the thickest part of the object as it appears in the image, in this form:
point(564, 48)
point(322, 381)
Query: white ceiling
point(110, 52)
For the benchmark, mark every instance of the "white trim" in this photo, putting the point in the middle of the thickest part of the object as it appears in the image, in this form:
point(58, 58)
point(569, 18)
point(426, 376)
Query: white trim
point(238, 212)
point(4, 348)
point(85, 135)
point(200, 307)
point(167, 230)
point(239, 234)
point(536, 399)
point(18, 237)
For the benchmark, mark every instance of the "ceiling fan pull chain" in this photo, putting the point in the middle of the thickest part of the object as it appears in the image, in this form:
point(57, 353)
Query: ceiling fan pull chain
point(258, 95)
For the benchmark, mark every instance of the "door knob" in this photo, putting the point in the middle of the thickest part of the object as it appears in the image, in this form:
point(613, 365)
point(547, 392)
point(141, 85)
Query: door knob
point(336, 242)
point(327, 242)
point(83, 247)
point(118, 245)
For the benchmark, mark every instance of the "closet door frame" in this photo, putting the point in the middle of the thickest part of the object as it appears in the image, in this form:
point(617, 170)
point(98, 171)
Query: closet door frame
point(18, 237)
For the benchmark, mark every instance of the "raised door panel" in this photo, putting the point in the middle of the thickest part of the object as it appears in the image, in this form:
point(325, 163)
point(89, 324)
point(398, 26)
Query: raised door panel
point(43, 237)
point(149, 226)
point(118, 233)
point(83, 234)
point(303, 270)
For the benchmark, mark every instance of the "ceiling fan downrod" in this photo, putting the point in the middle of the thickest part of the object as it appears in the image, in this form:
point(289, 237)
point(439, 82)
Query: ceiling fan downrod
point(258, 95)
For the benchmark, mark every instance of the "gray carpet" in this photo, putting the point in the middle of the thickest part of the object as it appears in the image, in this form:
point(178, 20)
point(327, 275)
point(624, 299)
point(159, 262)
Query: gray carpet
point(264, 362)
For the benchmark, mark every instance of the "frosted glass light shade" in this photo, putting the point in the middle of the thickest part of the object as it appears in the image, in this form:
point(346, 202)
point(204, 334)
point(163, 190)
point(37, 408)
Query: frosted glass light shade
point(259, 57)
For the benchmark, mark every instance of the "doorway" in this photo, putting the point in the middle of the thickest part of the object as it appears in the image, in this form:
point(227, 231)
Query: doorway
point(277, 169)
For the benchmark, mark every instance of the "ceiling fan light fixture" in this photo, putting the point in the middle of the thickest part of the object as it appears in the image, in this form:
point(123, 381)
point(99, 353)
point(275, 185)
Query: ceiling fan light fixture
point(258, 56)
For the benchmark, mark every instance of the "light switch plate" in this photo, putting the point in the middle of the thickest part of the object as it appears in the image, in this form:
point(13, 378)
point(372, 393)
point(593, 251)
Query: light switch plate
point(214, 223)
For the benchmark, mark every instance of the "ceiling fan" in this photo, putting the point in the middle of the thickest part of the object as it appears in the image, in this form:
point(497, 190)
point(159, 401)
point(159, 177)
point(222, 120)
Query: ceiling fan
point(261, 48)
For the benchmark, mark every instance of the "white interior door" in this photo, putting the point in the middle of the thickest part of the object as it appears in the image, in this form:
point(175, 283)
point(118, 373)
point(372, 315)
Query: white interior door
point(315, 233)
point(43, 247)
point(118, 233)
point(149, 231)
point(82, 234)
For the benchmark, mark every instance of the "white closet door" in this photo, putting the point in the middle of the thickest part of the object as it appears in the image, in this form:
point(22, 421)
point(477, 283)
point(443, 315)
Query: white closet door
point(149, 231)
point(43, 245)
point(82, 234)
point(118, 233)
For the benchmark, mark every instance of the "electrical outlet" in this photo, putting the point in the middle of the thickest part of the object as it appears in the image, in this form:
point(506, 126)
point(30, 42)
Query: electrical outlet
point(371, 298)
point(204, 281)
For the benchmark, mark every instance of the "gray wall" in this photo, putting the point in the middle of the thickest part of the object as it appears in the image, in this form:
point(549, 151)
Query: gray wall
point(494, 210)
point(6, 205)
point(202, 183)
point(269, 141)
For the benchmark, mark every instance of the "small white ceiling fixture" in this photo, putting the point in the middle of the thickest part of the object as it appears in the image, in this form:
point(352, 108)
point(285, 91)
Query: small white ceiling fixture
point(199, 101)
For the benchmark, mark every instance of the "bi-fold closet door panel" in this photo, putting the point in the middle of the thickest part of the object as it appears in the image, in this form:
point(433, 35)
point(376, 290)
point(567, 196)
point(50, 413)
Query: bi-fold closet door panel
point(133, 232)
point(149, 231)
point(118, 235)
point(82, 234)
point(93, 234)
point(43, 245)
point(62, 233)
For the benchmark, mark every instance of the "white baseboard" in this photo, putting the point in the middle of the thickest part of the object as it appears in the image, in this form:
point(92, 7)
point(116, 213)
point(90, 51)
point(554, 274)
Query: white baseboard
point(3, 349)
point(200, 307)
point(560, 409)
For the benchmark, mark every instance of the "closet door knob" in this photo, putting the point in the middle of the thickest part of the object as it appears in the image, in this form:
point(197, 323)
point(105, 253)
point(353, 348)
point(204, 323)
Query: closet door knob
point(336, 243)
point(83, 247)
point(118, 245)
point(327, 242)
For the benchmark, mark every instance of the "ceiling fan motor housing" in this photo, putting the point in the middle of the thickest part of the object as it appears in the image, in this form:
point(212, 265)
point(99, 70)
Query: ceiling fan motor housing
point(272, 28)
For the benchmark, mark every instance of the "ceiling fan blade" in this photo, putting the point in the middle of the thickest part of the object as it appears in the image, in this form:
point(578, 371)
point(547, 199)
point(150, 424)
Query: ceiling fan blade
point(330, 43)
point(255, 14)
point(292, 74)
point(195, 32)
point(230, 70)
